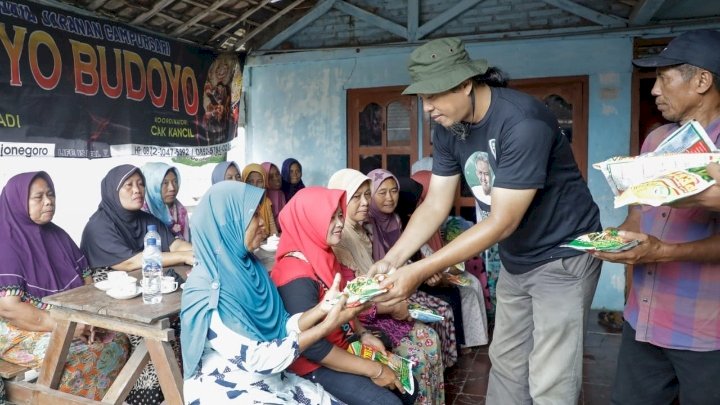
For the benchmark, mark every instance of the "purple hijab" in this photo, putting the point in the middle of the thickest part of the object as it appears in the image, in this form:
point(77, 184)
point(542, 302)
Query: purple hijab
point(277, 197)
point(288, 188)
point(114, 234)
point(386, 227)
point(37, 260)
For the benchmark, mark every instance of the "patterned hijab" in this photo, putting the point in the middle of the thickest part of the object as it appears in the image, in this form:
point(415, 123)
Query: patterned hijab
point(227, 278)
point(155, 173)
point(423, 177)
point(386, 227)
point(305, 222)
point(288, 188)
point(354, 250)
point(265, 209)
point(277, 197)
point(37, 260)
point(218, 173)
point(114, 234)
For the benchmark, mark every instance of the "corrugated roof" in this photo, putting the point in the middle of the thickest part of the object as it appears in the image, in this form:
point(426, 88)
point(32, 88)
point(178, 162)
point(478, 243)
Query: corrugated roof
point(303, 24)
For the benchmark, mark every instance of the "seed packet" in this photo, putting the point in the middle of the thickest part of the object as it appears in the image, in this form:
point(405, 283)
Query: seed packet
point(461, 279)
point(424, 314)
point(401, 366)
point(667, 188)
point(689, 146)
point(362, 289)
point(623, 172)
point(605, 241)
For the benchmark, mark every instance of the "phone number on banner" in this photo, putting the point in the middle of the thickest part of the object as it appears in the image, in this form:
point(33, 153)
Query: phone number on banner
point(170, 151)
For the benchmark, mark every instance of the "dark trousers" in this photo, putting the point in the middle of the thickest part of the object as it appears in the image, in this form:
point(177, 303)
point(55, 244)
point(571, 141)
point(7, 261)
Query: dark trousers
point(652, 375)
point(356, 389)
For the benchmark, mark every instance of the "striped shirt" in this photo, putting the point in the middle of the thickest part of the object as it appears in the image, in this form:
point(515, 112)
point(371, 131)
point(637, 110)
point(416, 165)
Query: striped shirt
point(676, 305)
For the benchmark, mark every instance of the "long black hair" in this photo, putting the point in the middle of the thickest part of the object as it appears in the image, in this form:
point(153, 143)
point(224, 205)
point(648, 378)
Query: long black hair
point(493, 77)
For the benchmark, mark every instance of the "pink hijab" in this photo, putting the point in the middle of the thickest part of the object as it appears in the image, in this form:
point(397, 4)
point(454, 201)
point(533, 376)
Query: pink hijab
point(277, 197)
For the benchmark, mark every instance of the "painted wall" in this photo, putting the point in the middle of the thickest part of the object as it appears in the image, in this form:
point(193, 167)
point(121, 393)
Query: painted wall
point(296, 106)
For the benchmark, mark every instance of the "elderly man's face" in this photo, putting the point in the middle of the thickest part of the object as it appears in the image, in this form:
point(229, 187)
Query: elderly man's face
point(482, 170)
point(675, 97)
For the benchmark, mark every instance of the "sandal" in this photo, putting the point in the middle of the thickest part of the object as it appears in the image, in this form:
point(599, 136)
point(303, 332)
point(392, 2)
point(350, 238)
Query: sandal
point(611, 320)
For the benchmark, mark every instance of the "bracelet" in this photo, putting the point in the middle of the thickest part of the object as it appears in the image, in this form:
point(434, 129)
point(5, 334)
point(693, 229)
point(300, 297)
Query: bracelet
point(379, 374)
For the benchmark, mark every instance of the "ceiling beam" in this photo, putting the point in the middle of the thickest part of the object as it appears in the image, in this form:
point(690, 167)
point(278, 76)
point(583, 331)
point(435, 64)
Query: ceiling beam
point(371, 18)
point(240, 19)
point(445, 17)
point(96, 4)
point(322, 7)
point(606, 20)
point(266, 24)
point(199, 16)
point(158, 7)
point(413, 19)
point(644, 11)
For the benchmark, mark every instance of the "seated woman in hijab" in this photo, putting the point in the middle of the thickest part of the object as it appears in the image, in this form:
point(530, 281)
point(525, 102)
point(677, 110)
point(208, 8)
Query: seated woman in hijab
point(226, 171)
point(410, 339)
point(114, 235)
point(474, 315)
point(291, 178)
point(273, 189)
point(39, 259)
point(254, 175)
point(233, 318)
point(114, 238)
point(385, 227)
point(312, 223)
point(161, 190)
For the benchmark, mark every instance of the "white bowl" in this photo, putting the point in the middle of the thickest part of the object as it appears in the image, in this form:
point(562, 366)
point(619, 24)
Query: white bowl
point(105, 285)
point(123, 294)
point(269, 248)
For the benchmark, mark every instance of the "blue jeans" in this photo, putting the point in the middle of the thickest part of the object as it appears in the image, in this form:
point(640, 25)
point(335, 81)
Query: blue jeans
point(356, 389)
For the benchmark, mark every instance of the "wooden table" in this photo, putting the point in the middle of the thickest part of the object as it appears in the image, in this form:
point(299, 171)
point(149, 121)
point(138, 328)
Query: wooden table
point(92, 306)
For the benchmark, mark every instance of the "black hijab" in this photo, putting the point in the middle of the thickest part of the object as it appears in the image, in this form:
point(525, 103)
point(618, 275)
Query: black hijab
point(114, 234)
point(410, 192)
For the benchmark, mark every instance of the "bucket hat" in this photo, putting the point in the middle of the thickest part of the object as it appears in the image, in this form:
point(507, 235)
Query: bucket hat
point(440, 65)
point(698, 48)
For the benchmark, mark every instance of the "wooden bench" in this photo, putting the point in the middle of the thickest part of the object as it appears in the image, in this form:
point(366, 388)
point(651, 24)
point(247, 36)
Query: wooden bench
point(17, 393)
point(10, 371)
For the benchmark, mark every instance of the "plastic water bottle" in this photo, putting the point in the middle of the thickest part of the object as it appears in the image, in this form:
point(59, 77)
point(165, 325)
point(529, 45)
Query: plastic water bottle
point(152, 232)
point(151, 272)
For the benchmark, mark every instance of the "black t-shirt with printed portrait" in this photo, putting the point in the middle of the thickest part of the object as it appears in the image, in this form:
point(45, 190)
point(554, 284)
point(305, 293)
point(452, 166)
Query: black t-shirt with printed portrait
point(519, 145)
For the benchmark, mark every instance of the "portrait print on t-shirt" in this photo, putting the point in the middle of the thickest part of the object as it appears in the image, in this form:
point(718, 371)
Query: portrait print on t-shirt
point(479, 176)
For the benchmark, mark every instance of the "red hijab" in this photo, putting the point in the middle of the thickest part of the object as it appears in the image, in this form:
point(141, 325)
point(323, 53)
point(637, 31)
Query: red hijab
point(305, 221)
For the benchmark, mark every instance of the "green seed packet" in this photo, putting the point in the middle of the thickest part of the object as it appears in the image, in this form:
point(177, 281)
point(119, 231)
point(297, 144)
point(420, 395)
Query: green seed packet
point(605, 241)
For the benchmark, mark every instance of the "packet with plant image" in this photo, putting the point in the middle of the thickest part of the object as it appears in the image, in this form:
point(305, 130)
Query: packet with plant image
point(401, 366)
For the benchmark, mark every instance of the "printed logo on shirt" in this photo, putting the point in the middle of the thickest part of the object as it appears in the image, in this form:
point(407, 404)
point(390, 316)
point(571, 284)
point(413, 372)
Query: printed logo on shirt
point(491, 145)
point(479, 176)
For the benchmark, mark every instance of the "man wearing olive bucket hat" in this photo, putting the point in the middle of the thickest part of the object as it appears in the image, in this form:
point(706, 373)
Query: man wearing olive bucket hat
point(539, 202)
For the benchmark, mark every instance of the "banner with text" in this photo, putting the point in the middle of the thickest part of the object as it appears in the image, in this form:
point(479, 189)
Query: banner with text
point(82, 87)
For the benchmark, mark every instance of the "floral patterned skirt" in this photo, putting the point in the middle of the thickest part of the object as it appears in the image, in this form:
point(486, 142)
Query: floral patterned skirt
point(444, 328)
point(89, 369)
point(422, 346)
